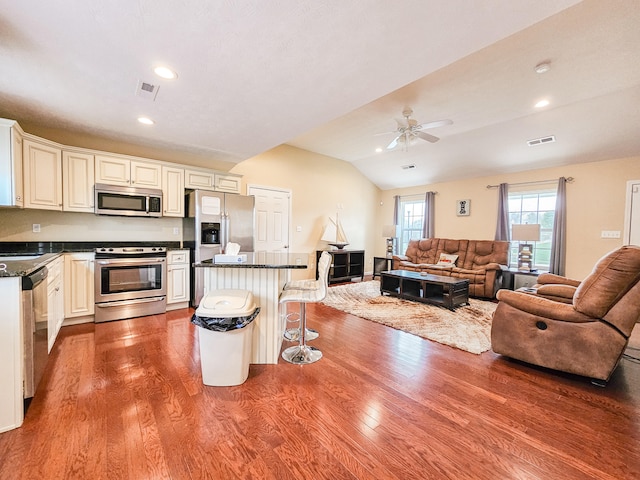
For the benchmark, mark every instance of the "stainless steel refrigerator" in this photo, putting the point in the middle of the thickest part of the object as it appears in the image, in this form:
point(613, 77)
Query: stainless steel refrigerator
point(212, 220)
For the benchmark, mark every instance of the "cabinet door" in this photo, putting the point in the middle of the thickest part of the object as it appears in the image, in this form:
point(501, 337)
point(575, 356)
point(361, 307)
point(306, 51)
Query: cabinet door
point(199, 180)
point(173, 192)
point(55, 299)
point(79, 284)
point(42, 176)
point(113, 170)
point(148, 175)
point(178, 283)
point(77, 188)
point(227, 183)
point(16, 154)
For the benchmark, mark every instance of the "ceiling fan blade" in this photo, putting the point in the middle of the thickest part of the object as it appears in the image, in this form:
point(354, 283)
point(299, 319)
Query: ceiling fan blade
point(427, 137)
point(385, 133)
point(438, 123)
point(393, 143)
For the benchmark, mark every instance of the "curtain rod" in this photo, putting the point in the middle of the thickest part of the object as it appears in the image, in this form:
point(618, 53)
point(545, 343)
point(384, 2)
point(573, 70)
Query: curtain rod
point(538, 182)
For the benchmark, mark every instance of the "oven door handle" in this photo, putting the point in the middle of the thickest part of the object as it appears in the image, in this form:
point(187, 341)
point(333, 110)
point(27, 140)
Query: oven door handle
point(130, 261)
point(130, 302)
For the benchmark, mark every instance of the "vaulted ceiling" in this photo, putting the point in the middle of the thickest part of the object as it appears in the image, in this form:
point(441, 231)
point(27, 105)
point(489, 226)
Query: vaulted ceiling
point(332, 77)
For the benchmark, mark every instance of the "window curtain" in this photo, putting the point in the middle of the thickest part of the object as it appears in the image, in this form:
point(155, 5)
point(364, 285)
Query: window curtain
point(396, 221)
point(502, 227)
point(428, 226)
point(558, 242)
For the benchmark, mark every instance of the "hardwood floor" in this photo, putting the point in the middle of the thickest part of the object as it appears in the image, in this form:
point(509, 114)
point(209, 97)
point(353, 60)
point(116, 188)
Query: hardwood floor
point(124, 400)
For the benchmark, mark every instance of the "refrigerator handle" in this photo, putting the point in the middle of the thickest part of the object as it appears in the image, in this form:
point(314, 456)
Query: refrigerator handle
point(225, 231)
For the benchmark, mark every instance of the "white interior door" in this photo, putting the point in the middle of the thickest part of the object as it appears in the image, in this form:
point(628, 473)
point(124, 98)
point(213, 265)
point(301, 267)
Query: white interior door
point(632, 214)
point(273, 207)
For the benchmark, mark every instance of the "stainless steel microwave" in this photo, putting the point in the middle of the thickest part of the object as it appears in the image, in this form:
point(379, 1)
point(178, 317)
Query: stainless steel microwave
point(127, 201)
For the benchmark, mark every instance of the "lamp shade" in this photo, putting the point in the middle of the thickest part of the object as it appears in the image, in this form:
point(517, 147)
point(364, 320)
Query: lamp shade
point(525, 232)
point(389, 231)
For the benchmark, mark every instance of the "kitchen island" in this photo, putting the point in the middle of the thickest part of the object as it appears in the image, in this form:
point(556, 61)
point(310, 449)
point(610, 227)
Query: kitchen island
point(264, 274)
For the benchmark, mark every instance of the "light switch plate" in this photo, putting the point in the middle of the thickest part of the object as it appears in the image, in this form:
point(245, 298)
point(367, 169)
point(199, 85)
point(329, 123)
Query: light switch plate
point(610, 234)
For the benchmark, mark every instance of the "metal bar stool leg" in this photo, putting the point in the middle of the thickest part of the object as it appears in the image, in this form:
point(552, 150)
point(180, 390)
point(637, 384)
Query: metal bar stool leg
point(302, 353)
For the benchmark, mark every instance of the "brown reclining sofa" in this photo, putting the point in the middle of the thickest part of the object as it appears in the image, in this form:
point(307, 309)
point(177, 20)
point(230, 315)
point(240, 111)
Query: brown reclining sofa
point(479, 261)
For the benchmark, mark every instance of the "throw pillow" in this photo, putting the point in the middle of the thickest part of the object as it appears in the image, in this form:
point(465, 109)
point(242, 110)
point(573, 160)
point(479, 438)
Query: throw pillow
point(447, 259)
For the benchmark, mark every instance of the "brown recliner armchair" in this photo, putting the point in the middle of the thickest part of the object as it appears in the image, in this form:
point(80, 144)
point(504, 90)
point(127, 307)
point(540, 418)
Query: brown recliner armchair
point(586, 337)
point(556, 287)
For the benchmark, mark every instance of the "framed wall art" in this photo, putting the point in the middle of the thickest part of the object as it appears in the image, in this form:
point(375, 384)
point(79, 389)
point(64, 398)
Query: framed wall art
point(463, 208)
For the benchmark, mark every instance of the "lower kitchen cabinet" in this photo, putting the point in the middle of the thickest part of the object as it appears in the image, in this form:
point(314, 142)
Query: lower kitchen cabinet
point(79, 287)
point(178, 275)
point(55, 299)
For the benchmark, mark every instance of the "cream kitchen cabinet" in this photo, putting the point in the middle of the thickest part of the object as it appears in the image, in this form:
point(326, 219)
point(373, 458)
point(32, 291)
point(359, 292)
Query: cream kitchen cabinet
point(78, 173)
point(55, 298)
point(178, 279)
point(11, 176)
point(172, 191)
point(126, 172)
point(79, 286)
point(42, 164)
point(199, 179)
point(227, 183)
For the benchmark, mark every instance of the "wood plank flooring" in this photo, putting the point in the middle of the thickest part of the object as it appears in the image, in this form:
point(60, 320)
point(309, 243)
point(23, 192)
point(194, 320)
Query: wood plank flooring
point(124, 400)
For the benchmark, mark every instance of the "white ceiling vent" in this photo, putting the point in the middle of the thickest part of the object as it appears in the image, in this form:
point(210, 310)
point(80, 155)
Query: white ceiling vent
point(147, 90)
point(540, 141)
point(408, 167)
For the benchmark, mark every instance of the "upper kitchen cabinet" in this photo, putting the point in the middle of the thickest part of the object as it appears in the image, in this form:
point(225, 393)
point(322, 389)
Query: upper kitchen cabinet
point(78, 173)
point(42, 175)
point(199, 180)
point(129, 173)
point(208, 180)
point(172, 192)
point(11, 178)
point(227, 183)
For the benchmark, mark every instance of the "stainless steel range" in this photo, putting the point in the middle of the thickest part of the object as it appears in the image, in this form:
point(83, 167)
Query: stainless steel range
point(130, 282)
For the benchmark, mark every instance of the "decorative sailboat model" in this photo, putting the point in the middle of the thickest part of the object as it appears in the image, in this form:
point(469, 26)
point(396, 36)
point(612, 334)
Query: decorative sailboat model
point(334, 234)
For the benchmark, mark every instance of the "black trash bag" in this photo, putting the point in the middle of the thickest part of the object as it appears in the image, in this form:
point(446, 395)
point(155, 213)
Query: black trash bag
point(224, 324)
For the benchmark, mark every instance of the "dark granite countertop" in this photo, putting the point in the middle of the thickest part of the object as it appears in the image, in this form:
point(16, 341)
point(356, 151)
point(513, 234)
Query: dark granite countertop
point(44, 252)
point(270, 260)
point(21, 265)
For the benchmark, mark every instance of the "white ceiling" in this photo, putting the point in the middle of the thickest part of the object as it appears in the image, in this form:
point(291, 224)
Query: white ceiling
point(327, 76)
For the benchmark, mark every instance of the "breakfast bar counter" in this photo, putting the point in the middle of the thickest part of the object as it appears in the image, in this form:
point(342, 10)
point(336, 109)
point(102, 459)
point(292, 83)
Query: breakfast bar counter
point(264, 274)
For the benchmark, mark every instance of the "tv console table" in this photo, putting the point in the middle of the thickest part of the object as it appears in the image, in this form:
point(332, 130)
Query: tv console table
point(449, 292)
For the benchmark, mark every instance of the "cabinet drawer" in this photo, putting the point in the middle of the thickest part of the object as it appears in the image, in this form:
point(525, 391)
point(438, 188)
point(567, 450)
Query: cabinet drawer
point(176, 257)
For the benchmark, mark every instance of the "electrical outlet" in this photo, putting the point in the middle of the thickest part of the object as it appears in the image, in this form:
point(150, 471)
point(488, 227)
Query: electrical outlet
point(36, 228)
point(298, 228)
point(176, 230)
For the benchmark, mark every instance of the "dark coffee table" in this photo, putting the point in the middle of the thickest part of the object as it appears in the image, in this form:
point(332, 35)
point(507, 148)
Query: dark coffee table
point(449, 292)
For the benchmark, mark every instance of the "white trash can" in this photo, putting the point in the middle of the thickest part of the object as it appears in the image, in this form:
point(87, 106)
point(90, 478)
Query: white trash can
point(225, 321)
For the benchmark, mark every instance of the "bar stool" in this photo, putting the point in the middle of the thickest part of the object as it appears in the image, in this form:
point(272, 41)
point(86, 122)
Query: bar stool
point(302, 353)
point(292, 334)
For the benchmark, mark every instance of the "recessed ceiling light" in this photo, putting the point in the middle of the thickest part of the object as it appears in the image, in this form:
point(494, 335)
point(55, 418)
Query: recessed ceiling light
point(543, 67)
point(146, 120)
point(165, 72)
point(378, 150)
point(542, 103)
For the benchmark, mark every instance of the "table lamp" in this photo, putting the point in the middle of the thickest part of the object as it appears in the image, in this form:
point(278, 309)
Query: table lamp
point(391, 233)
point(525, 232)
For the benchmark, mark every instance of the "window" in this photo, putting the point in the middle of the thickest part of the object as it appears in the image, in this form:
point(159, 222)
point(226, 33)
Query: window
point(411, 220)
point(534, 207)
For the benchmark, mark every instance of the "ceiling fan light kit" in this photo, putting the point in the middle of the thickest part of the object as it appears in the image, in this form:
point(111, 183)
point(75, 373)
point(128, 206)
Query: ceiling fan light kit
point(410, 130)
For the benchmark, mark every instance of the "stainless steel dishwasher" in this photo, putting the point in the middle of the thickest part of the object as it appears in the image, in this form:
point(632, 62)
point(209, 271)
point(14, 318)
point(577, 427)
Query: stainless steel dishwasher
point(35, 316)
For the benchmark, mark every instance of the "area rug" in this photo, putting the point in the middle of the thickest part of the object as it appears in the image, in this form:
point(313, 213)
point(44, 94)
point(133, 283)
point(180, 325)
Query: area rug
point(467, 328)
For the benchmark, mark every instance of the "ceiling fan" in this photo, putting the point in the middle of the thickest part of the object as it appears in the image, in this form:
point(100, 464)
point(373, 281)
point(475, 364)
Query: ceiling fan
point(409, 129)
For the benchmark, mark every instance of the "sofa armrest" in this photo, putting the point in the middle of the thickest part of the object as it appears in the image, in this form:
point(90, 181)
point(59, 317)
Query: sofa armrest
point(556, 290)
point(401, 258)
point(543, 307)
point(545, 278)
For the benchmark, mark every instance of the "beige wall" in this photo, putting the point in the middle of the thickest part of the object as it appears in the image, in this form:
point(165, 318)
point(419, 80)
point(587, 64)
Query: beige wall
point(595, 202)
point(320, 187)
